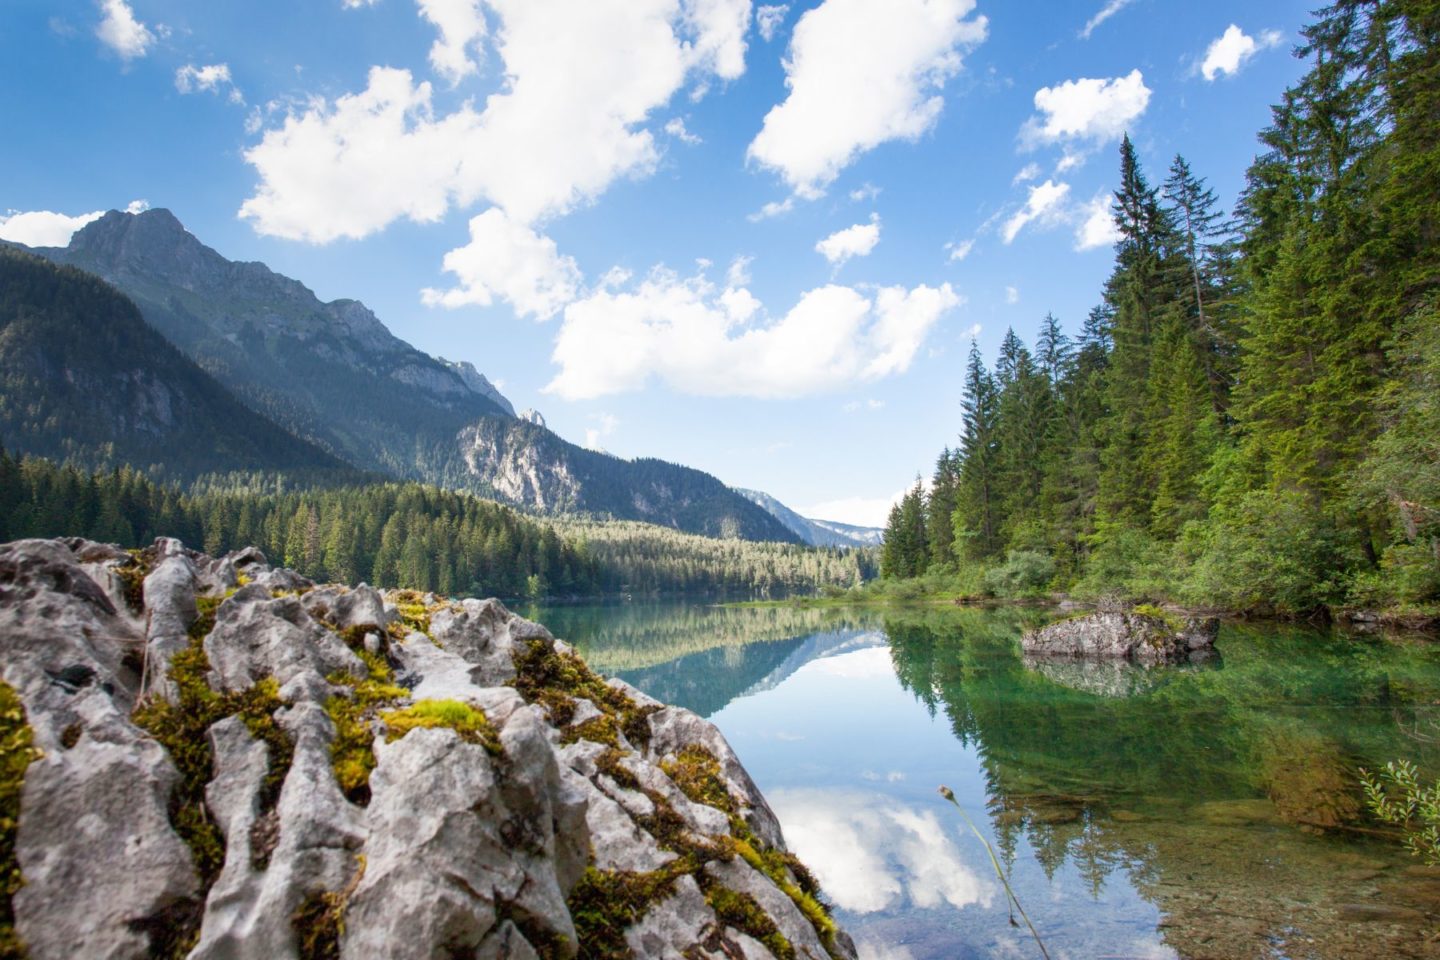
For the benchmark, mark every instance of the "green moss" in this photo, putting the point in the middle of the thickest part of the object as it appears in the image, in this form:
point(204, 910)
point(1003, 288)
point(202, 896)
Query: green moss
point(132, 576)
point(352, 752)
point(556, 680)
point(414, 613)
point(319, 922)
point(609, 764)
point(467, 721)
point(696, 771)
point(181, 727)
point(742, 912)
point(1172, 622)
point(778, 866)
point(16, 754)
point(605, 903)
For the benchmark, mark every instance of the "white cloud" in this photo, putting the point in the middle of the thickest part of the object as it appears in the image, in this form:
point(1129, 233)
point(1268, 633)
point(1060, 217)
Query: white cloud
point(1087, 110)
point(121, 32)
point(594, 435)
point(700, 341)
point(738, 273)
point(1229, 52)
point(769, 18)
point(1031, 171)
point(1012, 295)
point(45, 228)
point(871, 853)
point(508, 260)
point(865, 192)
point(974, 331)
point(774, 208)
point(212, 79)
point(959, 251)
point(357, 4)
point(861, 73)
point(854, 241)
point(1111, 8)
point(582, 77)
point(461, 25)
point(1069, 161)
point(1097, 225)
point(1045, 206)
point(675, 127)
point(858, 511)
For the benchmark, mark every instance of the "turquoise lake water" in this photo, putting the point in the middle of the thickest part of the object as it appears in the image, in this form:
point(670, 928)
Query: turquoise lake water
point(1205, 811)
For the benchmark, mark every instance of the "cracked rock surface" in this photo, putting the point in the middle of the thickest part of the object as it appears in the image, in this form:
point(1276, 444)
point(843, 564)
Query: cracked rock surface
point(234, 762)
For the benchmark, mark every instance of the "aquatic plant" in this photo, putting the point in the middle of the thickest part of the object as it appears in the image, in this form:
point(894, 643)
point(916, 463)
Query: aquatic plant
point(1011, 899)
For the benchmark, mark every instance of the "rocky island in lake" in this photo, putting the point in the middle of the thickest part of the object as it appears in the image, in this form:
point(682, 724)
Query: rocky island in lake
point(216, 758)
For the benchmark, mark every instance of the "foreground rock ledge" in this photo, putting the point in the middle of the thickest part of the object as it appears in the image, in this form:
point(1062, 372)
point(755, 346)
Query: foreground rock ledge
point(1139, 636)
point(232, 762)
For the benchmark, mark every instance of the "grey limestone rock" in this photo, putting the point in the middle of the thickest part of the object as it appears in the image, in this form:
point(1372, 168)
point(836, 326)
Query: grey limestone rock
point(468, 838)
point(1130, 635)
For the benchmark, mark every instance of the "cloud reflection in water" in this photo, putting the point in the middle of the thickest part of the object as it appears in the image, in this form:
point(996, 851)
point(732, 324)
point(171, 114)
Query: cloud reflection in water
point(872, 853)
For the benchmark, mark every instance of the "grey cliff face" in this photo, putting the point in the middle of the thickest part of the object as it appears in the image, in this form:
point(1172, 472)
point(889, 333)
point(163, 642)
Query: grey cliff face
point(384, 774)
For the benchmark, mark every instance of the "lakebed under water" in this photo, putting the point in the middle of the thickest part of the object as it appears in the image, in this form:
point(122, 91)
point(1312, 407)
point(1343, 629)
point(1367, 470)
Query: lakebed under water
point(1206, 811)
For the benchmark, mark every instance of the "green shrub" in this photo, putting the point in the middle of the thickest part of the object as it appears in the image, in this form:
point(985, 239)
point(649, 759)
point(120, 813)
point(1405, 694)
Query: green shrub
point(1396, 796)
point(1025, 573)
point(1271, 552)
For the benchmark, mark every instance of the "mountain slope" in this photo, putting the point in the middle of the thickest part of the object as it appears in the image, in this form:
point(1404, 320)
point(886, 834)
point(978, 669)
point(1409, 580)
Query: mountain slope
point(525, 463)
point(333, 374)
point(84, 378)
point(329, 372)
point(817, 533)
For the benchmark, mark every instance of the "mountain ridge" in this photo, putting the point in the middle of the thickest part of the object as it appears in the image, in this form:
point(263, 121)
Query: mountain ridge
point(817, 533)
point(334, 375)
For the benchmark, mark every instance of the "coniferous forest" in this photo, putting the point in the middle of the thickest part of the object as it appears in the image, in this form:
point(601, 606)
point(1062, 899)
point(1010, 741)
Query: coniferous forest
point(1249, 417)
point(408, 535)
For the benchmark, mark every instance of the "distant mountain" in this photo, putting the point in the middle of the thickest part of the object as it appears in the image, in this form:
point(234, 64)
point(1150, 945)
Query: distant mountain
point(84, 378)
point(328, 372)
point(332, 374)
point(817, 533)
point(526, 463)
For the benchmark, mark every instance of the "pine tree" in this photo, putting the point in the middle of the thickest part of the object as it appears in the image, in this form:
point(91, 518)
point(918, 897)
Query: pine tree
point(977, 514)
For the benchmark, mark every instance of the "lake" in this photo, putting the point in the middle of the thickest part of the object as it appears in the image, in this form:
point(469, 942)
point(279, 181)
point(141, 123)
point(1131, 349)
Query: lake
point(1204, 811)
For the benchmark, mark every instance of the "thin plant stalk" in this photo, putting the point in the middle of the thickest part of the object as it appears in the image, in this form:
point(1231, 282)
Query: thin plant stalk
point(949, 794)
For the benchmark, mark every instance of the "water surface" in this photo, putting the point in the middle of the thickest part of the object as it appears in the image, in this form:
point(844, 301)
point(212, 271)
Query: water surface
point(1206, 811)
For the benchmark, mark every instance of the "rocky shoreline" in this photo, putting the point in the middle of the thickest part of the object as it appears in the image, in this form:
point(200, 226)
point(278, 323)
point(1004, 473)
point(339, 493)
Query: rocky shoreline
point(217, 758)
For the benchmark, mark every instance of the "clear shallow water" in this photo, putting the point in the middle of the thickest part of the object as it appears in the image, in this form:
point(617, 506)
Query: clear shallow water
point(1205, 811)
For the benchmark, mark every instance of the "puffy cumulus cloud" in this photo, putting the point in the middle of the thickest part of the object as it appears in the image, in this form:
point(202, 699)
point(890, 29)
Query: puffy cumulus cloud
point(1111, 8)
point(210, 79)
point(45, 228)
point(861, 73)
point(508, 260)
point(121, 32)
point(699, 340)
point(1228, 52)
point(871, 853)
point(855, 241)
point(1096, 225)
point(581, 79)
point(769, 18)
point(461, 25)
point(1091, 110)
point(1044, 206)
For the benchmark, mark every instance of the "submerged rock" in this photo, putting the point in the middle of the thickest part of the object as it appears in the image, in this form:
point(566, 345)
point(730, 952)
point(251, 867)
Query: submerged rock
point(234, 763)
point(1143, 637)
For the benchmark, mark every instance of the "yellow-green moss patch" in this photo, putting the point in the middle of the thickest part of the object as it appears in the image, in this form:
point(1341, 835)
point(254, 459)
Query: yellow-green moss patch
point(556, 680)
point(319, 921)
point(743, 913)
point(696, 771)
point(16, 754)
point(469, 722)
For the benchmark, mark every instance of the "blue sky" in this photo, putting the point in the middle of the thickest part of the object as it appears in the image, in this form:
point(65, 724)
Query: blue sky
point(752, 239)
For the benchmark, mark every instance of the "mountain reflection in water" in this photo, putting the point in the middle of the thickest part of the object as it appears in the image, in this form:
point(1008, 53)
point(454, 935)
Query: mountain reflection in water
point(1209, 810)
